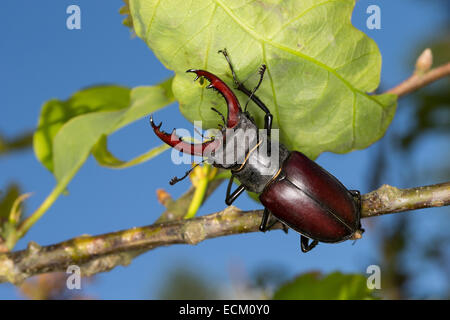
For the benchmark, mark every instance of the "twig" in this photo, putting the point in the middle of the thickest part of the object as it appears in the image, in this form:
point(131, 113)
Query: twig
point(388, 199)
point(94, 254)
point(419, 80)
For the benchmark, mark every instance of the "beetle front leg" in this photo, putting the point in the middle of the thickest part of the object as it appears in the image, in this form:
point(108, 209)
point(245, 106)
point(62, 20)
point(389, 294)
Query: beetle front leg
point(305, 245)
point(268, 118)
point(230, 197)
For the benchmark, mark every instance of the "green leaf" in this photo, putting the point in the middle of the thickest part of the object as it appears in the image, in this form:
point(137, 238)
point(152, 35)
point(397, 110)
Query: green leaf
point(73, 143)
point(335, 286)
point(55, 113)
point(68, 130)
point(11, 207)
point(319, 67)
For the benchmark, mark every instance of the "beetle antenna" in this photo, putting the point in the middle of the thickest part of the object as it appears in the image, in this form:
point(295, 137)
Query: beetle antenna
point(261, 72)
point(236, 81)
point(202, 135)
point(199, 133)
point(227, 57)
point(175, 180)
point(220, 114)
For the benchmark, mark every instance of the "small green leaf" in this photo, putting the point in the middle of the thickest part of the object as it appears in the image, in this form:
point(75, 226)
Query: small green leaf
point(55, 113)
point(7, 199)
point(125, 10)
point(105, 158)
point(16, 211)
point(319, 67)
point(11, 207)
point(74, 141)
point(68, 130)
point(334, 286)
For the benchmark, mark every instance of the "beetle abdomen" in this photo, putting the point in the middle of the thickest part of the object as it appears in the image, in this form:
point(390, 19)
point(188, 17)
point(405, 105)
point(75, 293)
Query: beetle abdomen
point(311, 201)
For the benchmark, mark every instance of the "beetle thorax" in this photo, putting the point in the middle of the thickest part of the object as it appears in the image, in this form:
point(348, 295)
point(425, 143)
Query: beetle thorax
point(244, 150)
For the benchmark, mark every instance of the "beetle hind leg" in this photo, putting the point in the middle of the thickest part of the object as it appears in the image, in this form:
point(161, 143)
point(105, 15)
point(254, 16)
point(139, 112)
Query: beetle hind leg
point(305, 245)
point(357, 197)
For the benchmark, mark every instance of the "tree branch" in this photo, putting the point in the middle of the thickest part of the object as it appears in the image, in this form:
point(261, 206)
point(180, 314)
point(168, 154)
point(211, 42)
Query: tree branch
point(94, 254)
point(388, 199)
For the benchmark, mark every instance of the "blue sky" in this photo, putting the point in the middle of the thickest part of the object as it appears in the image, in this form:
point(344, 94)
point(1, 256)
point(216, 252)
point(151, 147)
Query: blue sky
point(42, 59)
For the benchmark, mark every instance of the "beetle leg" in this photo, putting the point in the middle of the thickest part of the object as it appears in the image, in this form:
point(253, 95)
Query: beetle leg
point(305, 245)
point(261, 72)
point(266, 216)
point(285, 227)
point(175, 180)
point(220, 114)
point(357, 196)
point(264, 226)
point(268, 118)
point(229, 199)
point(227, 57)
point(241, 87)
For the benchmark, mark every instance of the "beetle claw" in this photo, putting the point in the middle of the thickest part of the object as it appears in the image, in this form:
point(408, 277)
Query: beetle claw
point(154, 126)
point(262, 69)
point(178, 143)
point(194, 71)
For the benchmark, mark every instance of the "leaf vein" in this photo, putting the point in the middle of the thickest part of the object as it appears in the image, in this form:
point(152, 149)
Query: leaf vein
point(261, 39)
point(151, 20)
point(284, 26)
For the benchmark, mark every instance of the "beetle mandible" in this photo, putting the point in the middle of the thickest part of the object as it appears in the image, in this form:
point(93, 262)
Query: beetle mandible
point(296, 191)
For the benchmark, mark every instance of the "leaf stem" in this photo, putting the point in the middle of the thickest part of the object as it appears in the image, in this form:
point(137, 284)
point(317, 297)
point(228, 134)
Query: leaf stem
point(39, 212)
point(199, 193)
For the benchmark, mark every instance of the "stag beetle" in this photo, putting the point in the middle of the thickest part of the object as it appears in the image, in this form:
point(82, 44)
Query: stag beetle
point(297, 191)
